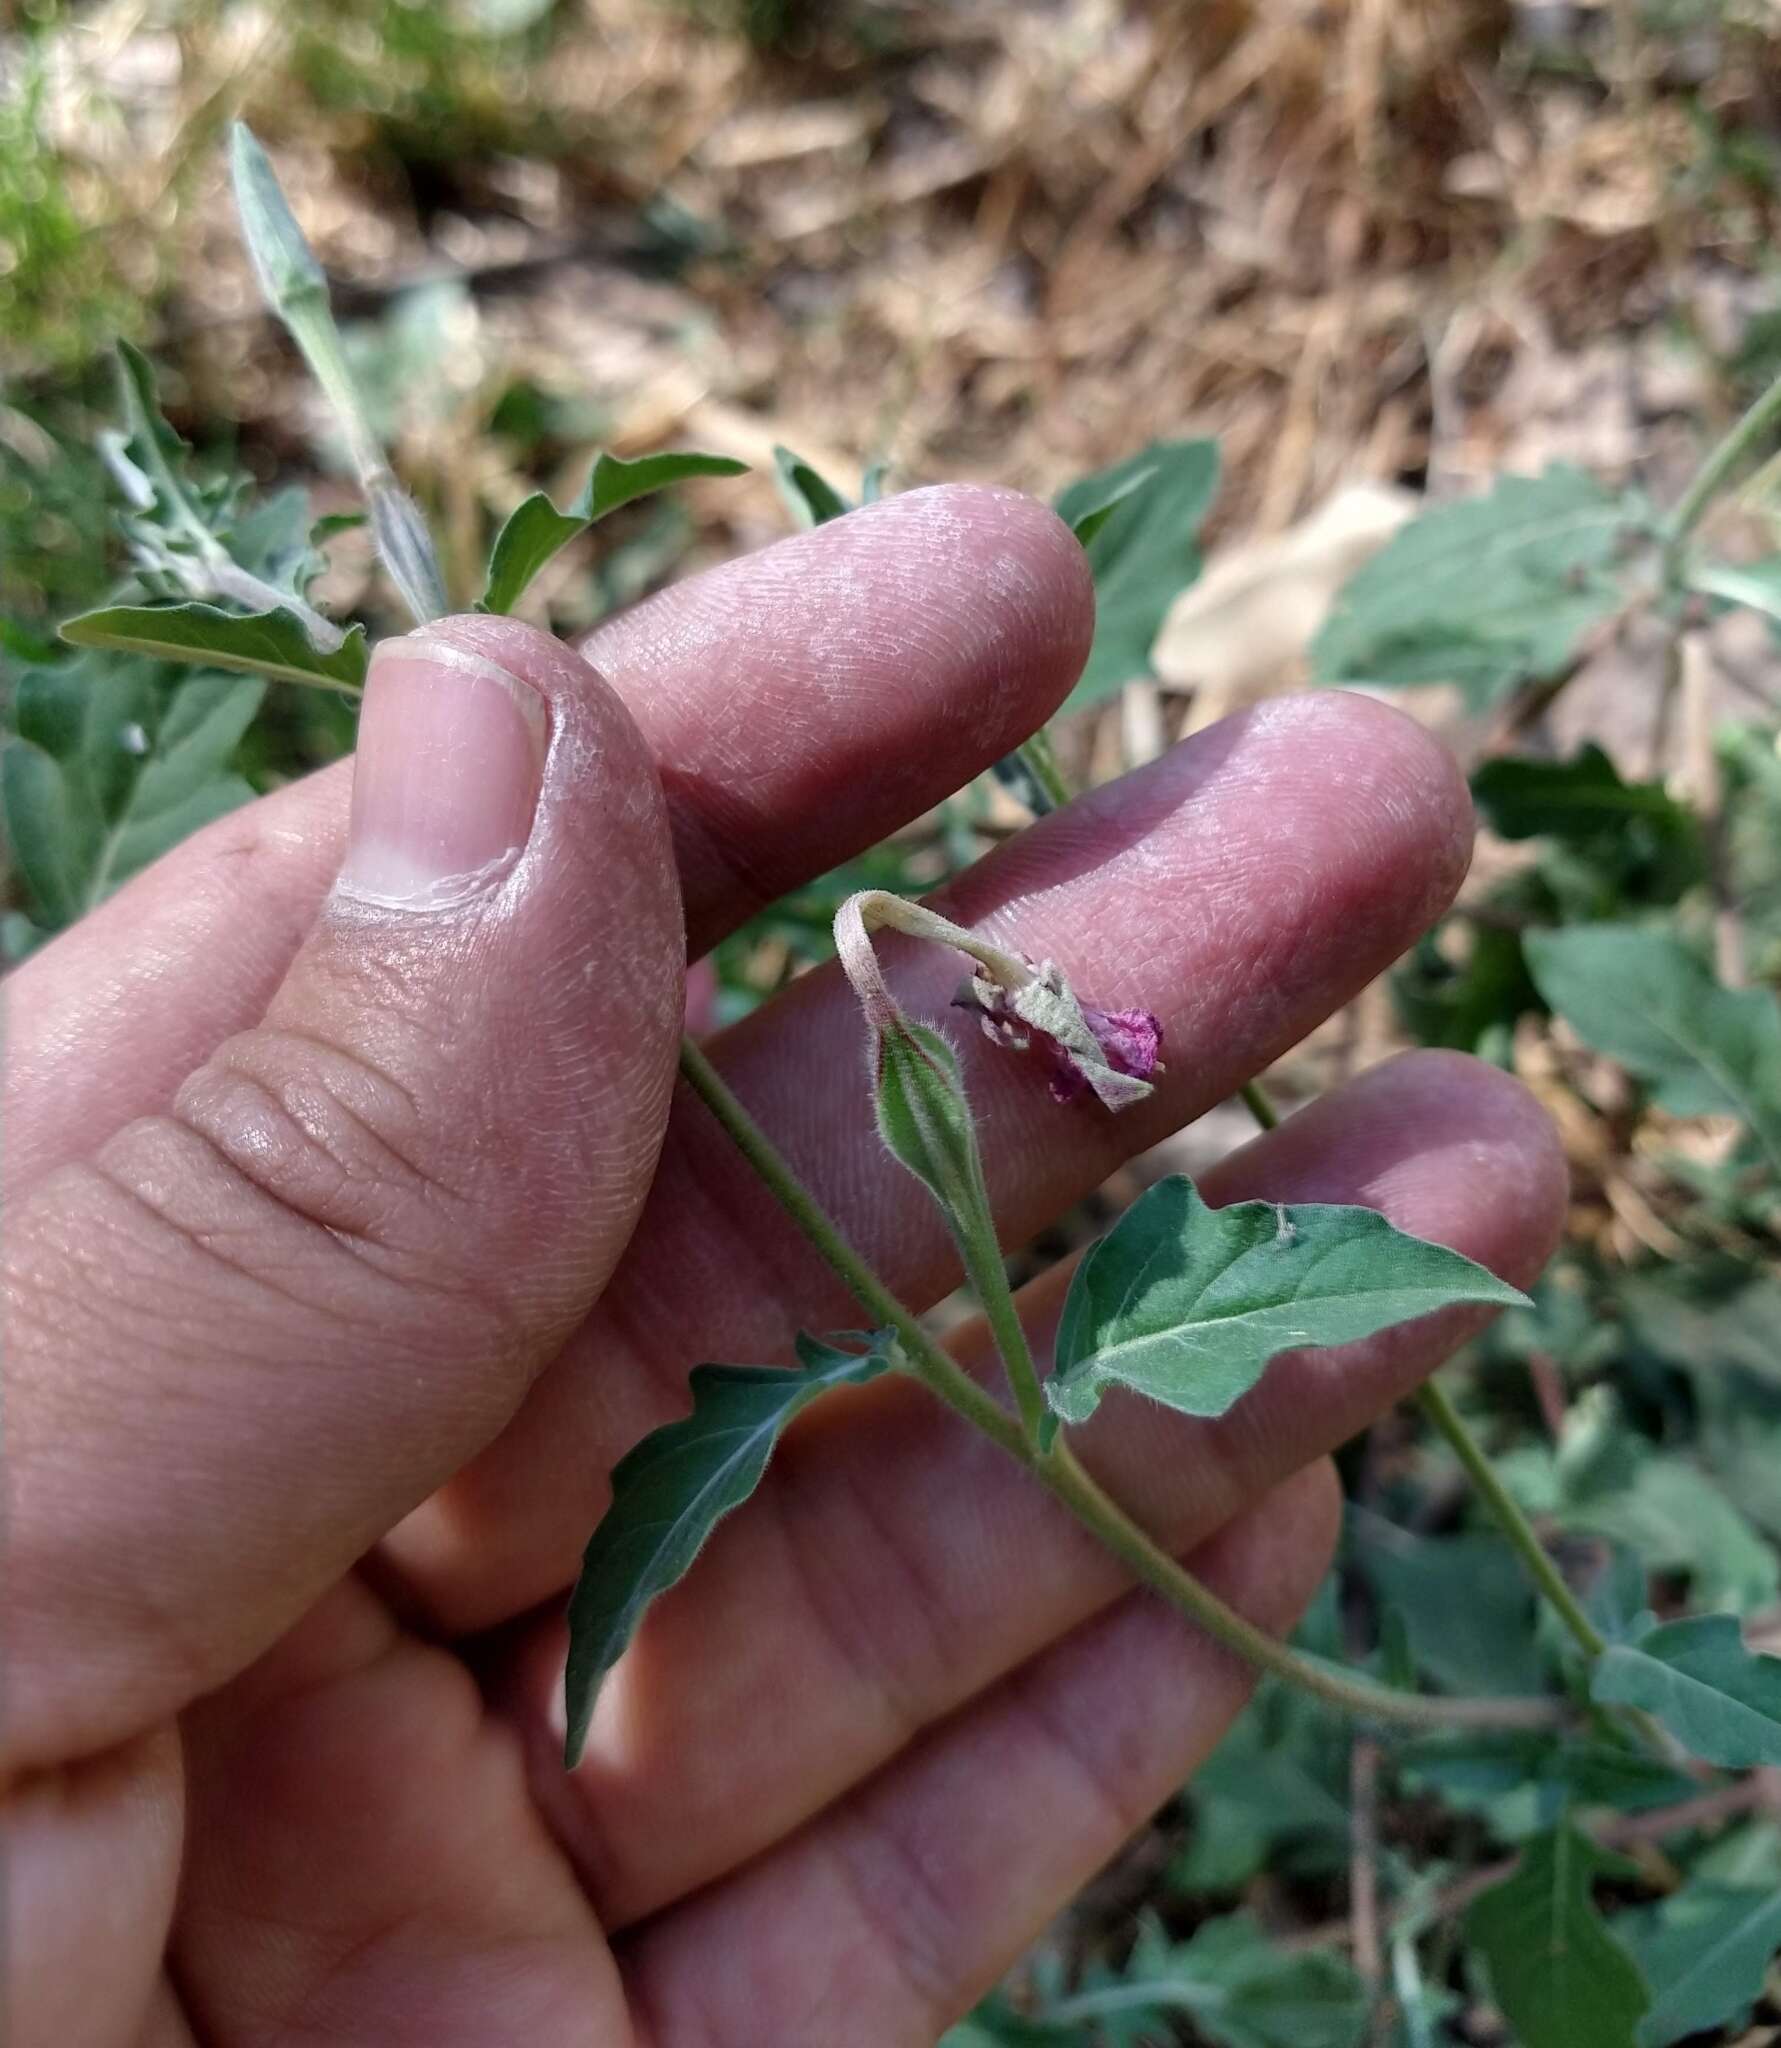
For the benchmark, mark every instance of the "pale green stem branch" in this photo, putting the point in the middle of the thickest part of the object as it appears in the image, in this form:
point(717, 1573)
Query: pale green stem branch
point(1742, 438)
point(1506, 1512)
point(1058, 1470)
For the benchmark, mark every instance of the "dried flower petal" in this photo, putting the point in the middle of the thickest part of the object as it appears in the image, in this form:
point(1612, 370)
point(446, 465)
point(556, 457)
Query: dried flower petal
point(1114, 1053)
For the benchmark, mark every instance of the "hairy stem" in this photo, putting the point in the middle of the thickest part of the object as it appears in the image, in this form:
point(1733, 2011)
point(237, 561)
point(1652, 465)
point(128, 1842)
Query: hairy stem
point(1058, 1470)
point(1506, 1512)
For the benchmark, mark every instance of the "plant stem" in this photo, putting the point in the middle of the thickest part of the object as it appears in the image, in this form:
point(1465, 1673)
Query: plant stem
point(1058, 1470)
point(1147, 1561)
point(1737, 443)
point(989, 1278)
point(1256, 1100)
point(1041, 763)
point(1506, 1512)
point(936, 1370)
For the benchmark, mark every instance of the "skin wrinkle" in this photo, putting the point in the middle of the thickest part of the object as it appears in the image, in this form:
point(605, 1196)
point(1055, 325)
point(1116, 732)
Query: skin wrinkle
point(511, 1527)
point(476, 1895)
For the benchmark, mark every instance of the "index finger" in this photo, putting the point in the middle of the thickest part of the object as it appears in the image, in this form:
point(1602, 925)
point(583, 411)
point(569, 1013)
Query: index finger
point(800, 703)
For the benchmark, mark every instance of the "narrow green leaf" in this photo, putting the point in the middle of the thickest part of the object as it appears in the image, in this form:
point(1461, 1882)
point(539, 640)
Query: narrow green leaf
point(1705, 1952)
point(1560, 1976)
point(670, 1492)
point(1756, 584)
point(1487, 593)
point(1144, 517)
point(282, 259)
point(1188, 1304)
point(813, 501)
point(1641, 997)
point(536, 530)
point(269, 643)
point(1719, 1699)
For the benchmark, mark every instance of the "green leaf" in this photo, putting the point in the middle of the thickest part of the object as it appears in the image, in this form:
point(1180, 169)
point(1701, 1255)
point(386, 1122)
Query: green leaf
point(270, 643)
point(1576, 800)
point(1756, 584)
point(1705, 1952)
point(1641, 997)
point(1092, 509)
point(1144, 517)
point(813, 502)
point(114, 762)
point(1719, 1699)
point(1424, 1581)
point(1502, 1773)
point(1556, 1970)
point(1188, 1304)
point(536, 530)
point(1677, 1518)
point(670, 1492)
point(283, 261)
point(1238, 1989)
point(1487, 593)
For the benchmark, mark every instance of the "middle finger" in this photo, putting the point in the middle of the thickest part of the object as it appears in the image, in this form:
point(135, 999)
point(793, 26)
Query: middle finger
point(1243, 887)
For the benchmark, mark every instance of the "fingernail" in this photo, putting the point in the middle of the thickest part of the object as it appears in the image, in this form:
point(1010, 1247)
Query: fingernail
point(445, 783)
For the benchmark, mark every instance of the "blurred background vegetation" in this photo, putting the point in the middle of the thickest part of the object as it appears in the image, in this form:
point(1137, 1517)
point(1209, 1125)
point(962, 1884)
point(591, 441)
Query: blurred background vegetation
point(1381, 250)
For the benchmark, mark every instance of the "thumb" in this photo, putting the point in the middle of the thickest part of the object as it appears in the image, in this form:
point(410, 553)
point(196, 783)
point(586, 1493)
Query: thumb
point(247, 1336)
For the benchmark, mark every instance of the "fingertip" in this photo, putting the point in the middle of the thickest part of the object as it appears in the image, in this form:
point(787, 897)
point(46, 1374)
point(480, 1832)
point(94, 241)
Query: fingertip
point(1030, 567)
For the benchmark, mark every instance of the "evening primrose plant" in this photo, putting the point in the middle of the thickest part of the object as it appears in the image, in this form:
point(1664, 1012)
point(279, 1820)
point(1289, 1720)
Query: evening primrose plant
point(1179, 1304)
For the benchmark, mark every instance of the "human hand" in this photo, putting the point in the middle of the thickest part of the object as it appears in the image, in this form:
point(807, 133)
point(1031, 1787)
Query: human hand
point(343, 1265)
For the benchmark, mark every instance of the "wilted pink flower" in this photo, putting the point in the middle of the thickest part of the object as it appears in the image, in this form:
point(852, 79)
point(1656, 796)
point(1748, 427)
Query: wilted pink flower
point(1112, 1052)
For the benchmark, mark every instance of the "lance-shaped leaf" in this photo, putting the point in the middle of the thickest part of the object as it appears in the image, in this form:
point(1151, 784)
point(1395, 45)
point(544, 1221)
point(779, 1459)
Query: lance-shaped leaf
point(1705, 1952)
point(536, 530)
point(1719, 1699)
point(1188, 1304)
point(269, 643)
point(1645, 1000)
point(814, 501)
point(1560, 1976)
point(670, 1492)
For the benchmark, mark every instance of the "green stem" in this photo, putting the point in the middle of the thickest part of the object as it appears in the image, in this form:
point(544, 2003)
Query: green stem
point(1153, 1565)
point(1507, 1514)
point(1256, 1101)
point(989, 1277)
point(1058, 1470)
point(1736, 445)
point(1041, 762)
point(940, 1373)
